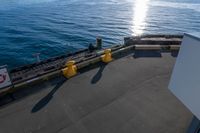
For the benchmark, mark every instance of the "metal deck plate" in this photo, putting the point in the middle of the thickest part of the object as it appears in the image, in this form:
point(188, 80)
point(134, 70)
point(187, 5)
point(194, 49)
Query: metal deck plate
point(129, 95)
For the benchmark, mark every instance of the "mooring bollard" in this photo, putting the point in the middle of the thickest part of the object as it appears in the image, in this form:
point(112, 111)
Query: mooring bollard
point(107, 57)
point(99, 43)
point(70, 70)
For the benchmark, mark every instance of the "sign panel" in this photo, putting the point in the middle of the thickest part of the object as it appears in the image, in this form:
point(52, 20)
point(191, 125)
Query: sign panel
point(185, 79)
point(4, 78)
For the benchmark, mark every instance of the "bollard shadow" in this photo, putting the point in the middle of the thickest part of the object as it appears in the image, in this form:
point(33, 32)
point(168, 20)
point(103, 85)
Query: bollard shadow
point(45, 100)
point(98, 75)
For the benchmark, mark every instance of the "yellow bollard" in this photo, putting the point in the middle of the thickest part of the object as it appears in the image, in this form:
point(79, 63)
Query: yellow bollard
point(107, 57)
point(70, 70)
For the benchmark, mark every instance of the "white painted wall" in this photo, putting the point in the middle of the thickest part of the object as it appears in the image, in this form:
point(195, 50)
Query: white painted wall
point(185, 79)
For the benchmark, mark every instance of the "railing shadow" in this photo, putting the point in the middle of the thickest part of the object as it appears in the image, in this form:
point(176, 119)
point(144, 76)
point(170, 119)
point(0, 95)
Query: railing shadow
point(147, 53)
point(98, 75)
point(45, 100)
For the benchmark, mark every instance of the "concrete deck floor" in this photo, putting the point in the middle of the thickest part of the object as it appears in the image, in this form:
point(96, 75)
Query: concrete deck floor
point(129, 95)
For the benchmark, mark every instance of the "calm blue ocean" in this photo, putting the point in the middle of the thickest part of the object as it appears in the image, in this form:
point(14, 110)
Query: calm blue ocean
point(56, 27)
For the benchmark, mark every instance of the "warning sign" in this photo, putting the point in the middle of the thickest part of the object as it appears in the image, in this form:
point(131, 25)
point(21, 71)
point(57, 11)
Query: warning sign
point(4, 78)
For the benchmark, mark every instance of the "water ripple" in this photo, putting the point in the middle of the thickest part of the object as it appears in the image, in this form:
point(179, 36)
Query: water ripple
point(55, 27)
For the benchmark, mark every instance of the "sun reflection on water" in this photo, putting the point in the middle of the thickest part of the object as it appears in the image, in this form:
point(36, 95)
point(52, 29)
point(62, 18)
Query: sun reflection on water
point(140, 11)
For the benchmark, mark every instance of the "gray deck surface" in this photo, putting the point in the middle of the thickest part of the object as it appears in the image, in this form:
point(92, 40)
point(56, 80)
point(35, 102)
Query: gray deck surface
point(129, 95)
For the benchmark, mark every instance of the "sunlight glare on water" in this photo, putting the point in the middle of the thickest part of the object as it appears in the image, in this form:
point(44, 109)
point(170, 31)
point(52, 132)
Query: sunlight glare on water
point(140, 10)
point(58, 27)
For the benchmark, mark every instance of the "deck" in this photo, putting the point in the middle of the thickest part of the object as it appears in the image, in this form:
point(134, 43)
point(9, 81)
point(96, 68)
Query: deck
point(128, 95)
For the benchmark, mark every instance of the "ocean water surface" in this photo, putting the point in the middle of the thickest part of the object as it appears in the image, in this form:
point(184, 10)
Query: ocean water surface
point(56, 27)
